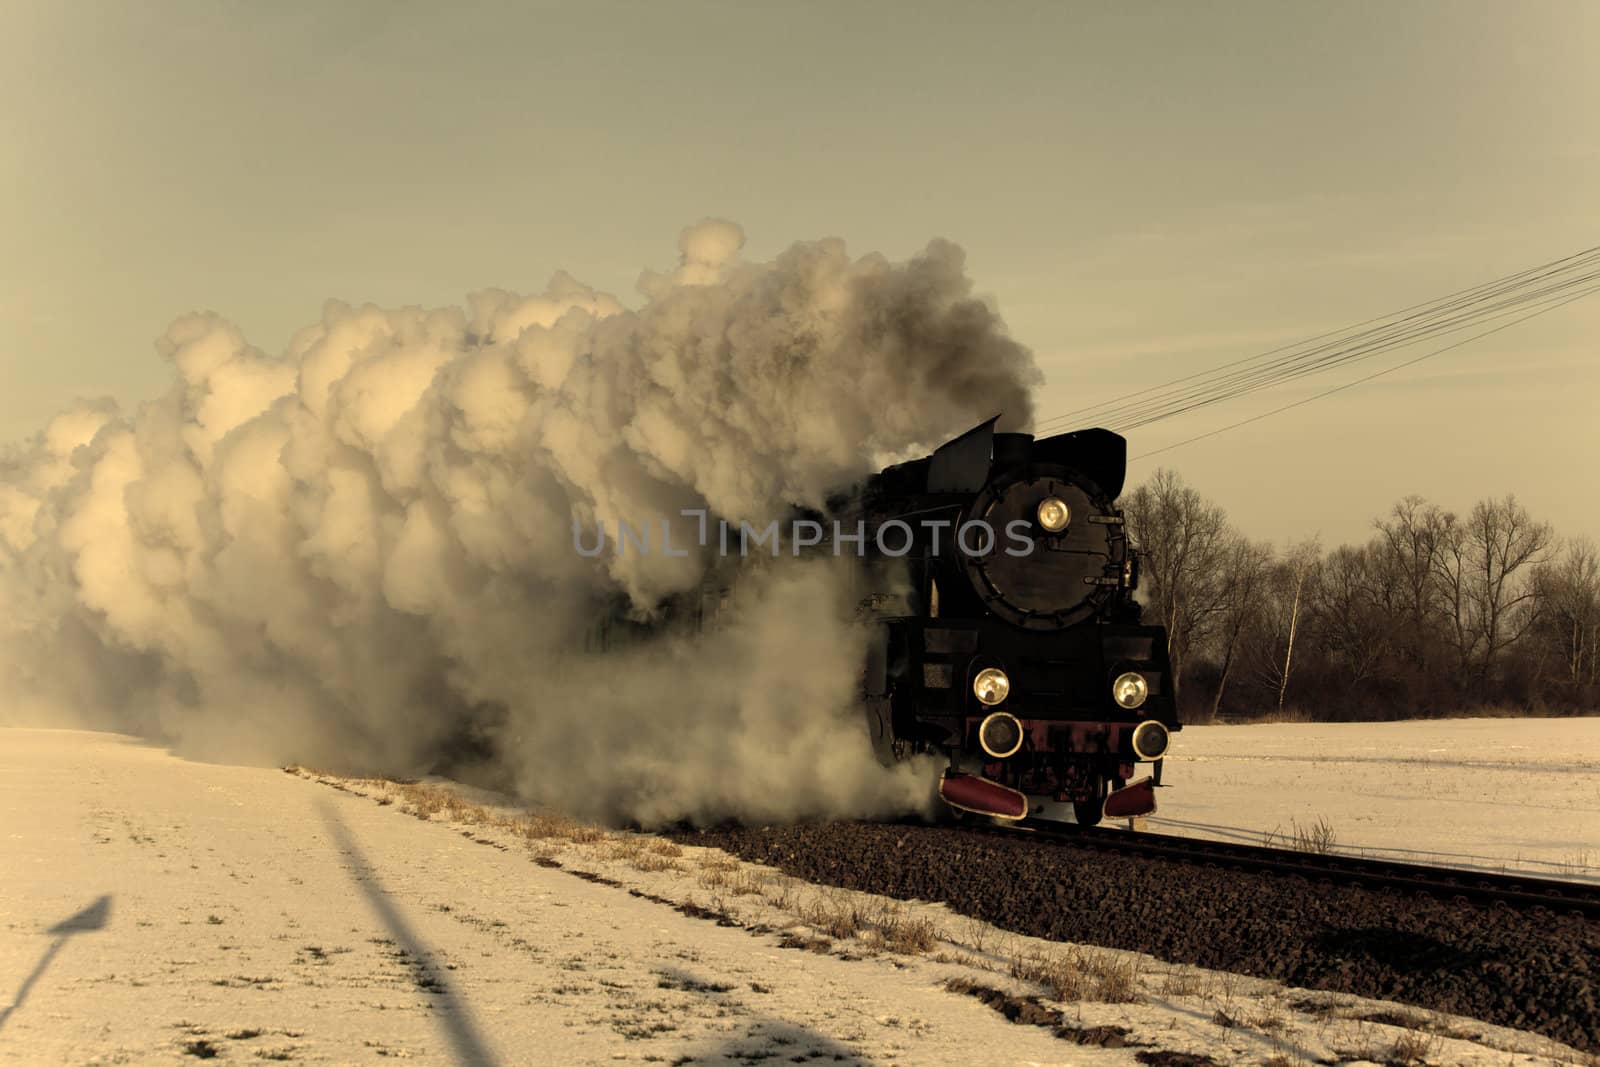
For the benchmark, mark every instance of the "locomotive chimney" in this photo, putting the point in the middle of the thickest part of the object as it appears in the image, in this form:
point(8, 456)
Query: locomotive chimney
point(1012, 449)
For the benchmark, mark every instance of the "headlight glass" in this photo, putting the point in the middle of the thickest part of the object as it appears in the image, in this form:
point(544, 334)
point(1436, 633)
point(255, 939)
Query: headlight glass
point(1054, 514)
point(1130, 690)
point(1000, 735)
point(991, 685)
point(1150, 740)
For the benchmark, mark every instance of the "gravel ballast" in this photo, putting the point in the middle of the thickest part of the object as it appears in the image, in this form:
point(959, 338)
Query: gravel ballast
point(1529, 970)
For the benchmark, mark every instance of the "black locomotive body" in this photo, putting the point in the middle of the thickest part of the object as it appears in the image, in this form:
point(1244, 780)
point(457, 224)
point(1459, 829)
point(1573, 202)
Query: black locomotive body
point(1018, 650)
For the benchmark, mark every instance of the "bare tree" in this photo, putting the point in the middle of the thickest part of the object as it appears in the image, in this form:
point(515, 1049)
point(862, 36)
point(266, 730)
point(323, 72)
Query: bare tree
point(1504, 545)
point(1409, 548)
point(1359, 609)
point(1569, 594)
point(1184, 540)
point(1301, 564)
point(1244, 570)
point(1271, 641)
point(1437, 610)
point(1452, 571)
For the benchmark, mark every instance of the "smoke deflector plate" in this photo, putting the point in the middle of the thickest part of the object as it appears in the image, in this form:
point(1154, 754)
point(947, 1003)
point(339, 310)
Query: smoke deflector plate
point(979, 795)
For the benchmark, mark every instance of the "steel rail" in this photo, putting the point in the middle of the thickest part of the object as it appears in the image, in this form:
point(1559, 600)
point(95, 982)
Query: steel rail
point(1444, 883)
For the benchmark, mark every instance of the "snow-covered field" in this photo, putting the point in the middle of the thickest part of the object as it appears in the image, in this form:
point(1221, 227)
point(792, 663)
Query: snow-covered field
point(157, 910)
point(1497, 794)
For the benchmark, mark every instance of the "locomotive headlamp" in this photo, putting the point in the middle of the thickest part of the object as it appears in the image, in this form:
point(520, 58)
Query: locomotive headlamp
point(1129, 690)
point(991, 686)
point(1150, 740)
point(1054, 514)
point(1000, 735)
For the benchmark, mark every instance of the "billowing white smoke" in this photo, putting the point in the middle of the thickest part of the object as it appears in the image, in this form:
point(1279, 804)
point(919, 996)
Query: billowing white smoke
point(353, 553)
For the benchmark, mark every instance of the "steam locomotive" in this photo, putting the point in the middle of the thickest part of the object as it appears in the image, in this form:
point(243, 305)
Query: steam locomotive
point(1018, 652)
point(997, 582)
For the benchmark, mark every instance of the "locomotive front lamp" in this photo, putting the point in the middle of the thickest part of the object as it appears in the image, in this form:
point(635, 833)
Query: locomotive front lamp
point(991, 686)
point(1150, 740)
point(1129, 690)
point(1054, 514)
point(1000, 735)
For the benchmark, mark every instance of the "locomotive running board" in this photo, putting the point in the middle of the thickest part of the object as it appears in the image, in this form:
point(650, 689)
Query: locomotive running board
point(1132, 800)
point(971, 792)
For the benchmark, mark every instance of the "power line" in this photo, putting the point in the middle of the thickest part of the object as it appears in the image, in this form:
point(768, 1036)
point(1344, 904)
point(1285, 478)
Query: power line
point(1546, 284)
point(1318, 337)
point(1368, 378)
point(1354, 353)
point(1417, 314)
point(1363, 345)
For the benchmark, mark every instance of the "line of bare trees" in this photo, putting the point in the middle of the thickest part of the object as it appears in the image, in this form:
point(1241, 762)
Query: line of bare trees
point(1436, 614)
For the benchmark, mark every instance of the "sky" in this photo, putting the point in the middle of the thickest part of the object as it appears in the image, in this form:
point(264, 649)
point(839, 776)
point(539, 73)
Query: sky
point(1144, 191)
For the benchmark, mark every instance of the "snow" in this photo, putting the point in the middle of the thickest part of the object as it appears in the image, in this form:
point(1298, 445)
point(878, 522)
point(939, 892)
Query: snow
point(157, 910)
point(1491, 794)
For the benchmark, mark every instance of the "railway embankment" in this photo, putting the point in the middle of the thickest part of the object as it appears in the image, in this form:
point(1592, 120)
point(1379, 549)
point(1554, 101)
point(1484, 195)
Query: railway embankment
point(1528, 969)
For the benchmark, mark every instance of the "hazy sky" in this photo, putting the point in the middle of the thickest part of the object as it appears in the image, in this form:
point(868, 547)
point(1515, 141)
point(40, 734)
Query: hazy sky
point(1145, 191)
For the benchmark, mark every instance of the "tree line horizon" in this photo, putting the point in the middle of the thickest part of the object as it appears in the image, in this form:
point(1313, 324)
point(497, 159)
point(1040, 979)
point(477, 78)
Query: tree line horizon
point(1436, 614)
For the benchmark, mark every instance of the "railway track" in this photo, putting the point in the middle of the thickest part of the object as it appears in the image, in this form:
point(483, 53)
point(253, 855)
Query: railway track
point(1510, 950)
point(1442, 883)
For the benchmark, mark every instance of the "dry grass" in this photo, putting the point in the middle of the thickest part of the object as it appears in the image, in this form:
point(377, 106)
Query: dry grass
point(737, 882)
point(1056, 971)
point(1116, 978)
point(417, 800)
point(1075, 974)
point(424, 801)
point(1581, 861)
point(721, 872)
point(1218, 989)
point(1270, 1018)
point(1182, 983)
point(625, 847)
point(652, 862)
point(537, 825)
point(643, 853)
point(1319, 836)
point(834, 914)
point(779, 892)
point(907, 935)
point(1413, 1047)
point(976, 933)
point(656, 855)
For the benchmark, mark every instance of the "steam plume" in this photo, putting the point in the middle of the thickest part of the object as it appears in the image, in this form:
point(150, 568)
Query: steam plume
point(359, 552)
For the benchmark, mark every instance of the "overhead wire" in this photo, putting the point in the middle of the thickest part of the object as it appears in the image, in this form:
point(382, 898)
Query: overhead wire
point(1354, 353)
point(1331, 333)
point(1377, 374)
point(1351, 350)
point(1542, 287)
point(1261, 365)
